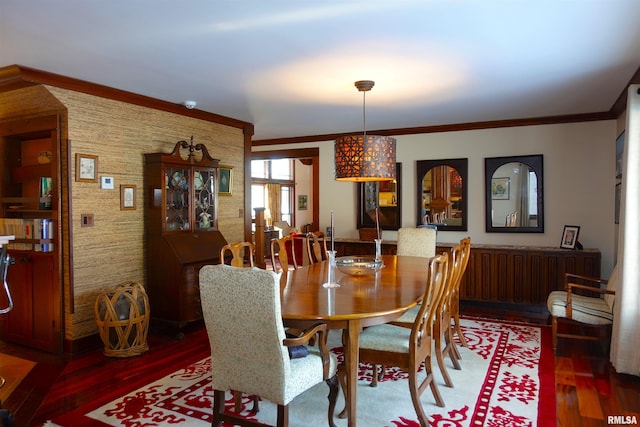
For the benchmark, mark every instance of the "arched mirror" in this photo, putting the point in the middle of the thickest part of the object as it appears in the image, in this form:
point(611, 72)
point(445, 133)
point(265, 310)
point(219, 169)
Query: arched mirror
point(513, 191)
point(442, 193)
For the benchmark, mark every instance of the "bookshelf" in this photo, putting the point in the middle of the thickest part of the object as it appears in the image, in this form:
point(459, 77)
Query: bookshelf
point(29, 210)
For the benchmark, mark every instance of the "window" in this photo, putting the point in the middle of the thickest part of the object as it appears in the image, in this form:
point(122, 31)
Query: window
point(270, 175)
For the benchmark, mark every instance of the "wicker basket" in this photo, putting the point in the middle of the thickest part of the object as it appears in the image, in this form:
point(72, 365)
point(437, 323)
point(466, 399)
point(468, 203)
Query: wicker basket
point(122, 316)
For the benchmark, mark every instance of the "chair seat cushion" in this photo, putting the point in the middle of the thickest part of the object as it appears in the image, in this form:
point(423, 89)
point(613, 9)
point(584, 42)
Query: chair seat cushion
point(592, 311)
point(409, 316)
point(386, 338)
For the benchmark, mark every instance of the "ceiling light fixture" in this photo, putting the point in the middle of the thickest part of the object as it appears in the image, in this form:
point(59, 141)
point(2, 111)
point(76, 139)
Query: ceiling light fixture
point(361, 158)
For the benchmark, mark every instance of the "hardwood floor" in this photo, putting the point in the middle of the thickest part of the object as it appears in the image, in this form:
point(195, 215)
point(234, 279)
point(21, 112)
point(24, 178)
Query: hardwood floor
point(587, 388)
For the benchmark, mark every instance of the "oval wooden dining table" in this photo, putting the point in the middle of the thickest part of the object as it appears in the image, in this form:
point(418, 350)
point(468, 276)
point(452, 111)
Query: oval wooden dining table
point(358, 302)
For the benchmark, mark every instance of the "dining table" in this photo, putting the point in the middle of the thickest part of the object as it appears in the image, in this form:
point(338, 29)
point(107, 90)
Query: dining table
point(358, 302)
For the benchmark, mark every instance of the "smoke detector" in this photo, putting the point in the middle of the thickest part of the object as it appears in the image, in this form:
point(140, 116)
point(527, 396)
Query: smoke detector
point(190, 104)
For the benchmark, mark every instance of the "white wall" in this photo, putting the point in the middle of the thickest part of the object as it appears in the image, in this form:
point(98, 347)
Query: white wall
point(579, 165)
point(304, 186)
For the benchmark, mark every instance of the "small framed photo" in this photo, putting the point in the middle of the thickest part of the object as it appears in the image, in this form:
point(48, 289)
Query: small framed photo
point(127, 197)
point(225, 180)
point(500, 188)
point(570, 237)
point(86, 168)
point(302, 203)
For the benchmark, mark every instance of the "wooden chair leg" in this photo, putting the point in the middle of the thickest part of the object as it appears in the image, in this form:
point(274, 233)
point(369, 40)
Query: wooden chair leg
point(237, 401)
point(458, 329)
point(429, 379)
point(342, 376)
point(455, 350)
point(463, 340)
point(414, 390)
point(283, 416)
point(377, 375)
point(334, 387)
point(451, 349)
point(554, 332)
point(255, 409)
point(440, 354)
point(218, 408)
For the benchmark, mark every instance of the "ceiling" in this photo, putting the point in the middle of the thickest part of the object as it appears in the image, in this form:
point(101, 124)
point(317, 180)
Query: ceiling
point(288, 67)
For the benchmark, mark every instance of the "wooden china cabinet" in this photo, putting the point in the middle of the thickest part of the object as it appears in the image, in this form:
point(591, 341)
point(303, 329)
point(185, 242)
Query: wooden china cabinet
point(181, 230)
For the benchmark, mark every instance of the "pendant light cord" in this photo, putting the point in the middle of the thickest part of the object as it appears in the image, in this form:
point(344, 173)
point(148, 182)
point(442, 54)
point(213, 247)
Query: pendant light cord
point(364, 115)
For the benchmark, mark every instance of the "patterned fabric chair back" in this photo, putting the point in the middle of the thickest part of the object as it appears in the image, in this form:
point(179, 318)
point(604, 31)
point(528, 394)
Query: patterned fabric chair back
point(419, 242)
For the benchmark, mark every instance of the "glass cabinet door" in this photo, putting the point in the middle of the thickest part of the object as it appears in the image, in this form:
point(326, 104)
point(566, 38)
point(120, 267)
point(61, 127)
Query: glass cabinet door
point(205, 187)
point(177, 198)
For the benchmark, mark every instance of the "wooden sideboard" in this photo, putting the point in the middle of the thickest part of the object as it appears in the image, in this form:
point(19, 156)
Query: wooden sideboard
point(514, 275)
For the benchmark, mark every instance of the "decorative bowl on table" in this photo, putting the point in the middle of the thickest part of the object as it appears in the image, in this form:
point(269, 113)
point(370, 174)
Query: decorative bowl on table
point(358, 265)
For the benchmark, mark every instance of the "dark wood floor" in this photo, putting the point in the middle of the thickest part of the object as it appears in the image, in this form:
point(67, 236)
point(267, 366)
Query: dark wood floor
point(587, 388)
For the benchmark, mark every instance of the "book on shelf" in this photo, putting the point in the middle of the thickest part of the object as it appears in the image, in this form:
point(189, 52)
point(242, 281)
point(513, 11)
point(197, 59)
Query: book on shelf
point(38, 230)
point(45, 192)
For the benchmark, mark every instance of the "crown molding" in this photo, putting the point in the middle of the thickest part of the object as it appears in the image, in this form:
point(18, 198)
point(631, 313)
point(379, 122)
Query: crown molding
point(607, 115)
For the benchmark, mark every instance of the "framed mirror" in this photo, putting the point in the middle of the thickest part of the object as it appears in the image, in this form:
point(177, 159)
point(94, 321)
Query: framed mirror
point(386, 196)
point(442, 193)
point(513, 193)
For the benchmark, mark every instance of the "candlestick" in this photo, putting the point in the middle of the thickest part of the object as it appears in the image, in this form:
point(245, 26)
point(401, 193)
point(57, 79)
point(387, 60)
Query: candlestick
point(378, 222)
point(333, 235)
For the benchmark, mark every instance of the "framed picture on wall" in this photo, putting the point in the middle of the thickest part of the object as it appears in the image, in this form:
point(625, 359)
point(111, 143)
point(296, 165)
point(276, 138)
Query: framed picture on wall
point(225, 180)
point(86, 168)
point(570, 237)
point(302, 202)
point(127, 197)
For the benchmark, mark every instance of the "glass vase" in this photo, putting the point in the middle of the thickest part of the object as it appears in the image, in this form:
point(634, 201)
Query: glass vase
point(378, 249)
point(331, 271)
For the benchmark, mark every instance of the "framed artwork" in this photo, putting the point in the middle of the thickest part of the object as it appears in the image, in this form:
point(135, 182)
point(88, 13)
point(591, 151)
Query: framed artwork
point(127, 197)
point(500, 188)
point(225, 180)
point(302, 203)
point(570, 237)
point(86, 168)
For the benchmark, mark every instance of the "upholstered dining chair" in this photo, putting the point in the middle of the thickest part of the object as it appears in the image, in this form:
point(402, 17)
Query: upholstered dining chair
point(242, 315)
point(240, 252)
point(594, 310)
point(316, 246)
point(416, 242)
point(409, 349)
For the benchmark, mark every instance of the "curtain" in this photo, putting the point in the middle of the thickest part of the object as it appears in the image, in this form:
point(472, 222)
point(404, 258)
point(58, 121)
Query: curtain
point(625, 340)
point(523, 189)
point(273, 202)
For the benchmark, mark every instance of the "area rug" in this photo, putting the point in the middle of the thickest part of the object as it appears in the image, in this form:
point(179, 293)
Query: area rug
point(507, 379)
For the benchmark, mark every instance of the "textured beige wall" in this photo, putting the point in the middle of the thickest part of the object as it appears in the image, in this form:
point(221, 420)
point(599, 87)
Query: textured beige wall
point(112, 251)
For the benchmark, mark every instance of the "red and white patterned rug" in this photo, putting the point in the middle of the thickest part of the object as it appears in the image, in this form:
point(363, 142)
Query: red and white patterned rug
point(507, 379)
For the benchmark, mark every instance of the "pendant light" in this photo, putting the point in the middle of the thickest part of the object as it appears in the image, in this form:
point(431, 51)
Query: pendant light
point(361, 158)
